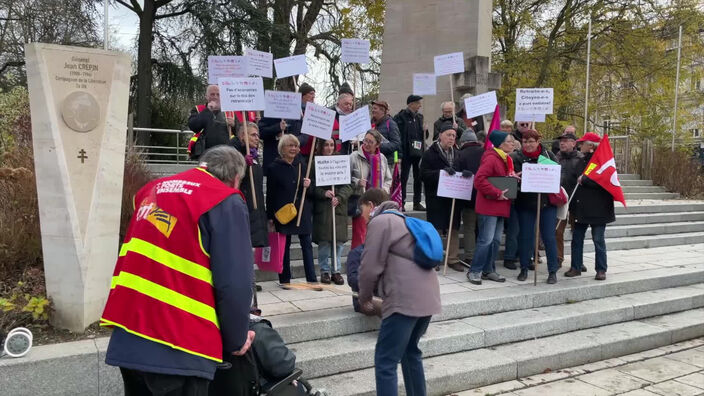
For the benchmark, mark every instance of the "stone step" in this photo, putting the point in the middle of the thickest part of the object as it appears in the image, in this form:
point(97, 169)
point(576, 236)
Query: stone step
point(635, 182)
point(326, 357)
point(660, 195)
point(643, 189)
point(455, 372)
point(625, 243)
point(335, 322)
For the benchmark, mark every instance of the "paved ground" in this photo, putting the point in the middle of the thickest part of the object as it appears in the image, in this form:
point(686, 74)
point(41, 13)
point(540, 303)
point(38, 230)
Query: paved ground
point(673, 370)
point(275, 301)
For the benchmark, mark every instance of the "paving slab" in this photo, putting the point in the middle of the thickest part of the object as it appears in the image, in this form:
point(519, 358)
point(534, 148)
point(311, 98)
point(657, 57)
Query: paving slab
point(639, 392)
point(695, 357)
point(570, 387)
point(614, 381)
point(694, 379)
point(674, 388)
point(658, 369)
point(494, 389)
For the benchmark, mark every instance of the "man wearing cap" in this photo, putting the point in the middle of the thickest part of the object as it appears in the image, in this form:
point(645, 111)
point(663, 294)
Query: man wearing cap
point(410, 125)
point(572, 162)
point(569, 129)
point(447, 117)
point(270, 129)
point(382, 122)
point(592, 206)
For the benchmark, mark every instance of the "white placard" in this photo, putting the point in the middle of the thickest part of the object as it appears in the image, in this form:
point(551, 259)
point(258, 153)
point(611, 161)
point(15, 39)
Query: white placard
point(449, 64)
point(241, 94)
point(534, 100)
point(259, 63)
point(332, 170)
point(529, 117)
point(282, 104)
point(355, 51)
point(455, 186)
point(291, 66)
point(226, 67)
point(481, 104)
point(355, 124)
point(318, 121)
point(424, 84)
point(540, 178)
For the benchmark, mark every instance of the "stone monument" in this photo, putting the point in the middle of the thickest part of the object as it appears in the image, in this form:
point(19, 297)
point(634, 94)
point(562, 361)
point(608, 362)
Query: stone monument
point(78, 101)
point(417, 30)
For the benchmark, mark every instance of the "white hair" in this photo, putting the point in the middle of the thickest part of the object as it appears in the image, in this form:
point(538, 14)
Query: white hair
point(224, 162)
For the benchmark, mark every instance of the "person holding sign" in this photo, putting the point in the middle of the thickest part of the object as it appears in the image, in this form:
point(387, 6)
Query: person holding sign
point(441, 156)
point(476, 124)
point(210, 122)
point(369, 170)
point(526, 208)
point(448, 116)
point(322, 220)
point(285, 183)
point(410, 126)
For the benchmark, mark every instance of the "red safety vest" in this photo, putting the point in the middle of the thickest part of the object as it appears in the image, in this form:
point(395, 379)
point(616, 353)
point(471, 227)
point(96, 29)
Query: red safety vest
point(195, 136)
point(162, 287)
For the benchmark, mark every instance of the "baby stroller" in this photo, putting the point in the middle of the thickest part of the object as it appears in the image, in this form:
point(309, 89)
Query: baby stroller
point(267, 369)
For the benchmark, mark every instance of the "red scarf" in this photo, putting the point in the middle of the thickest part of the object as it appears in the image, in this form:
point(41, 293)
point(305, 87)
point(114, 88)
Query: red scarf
point(374, 180)
point(535, 154)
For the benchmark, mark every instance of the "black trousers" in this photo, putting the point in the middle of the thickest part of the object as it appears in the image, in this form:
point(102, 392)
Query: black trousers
point(140, 383)
point(406, 165)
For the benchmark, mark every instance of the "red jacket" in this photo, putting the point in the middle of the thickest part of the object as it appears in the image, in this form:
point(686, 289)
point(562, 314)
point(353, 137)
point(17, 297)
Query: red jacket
point(487, 195)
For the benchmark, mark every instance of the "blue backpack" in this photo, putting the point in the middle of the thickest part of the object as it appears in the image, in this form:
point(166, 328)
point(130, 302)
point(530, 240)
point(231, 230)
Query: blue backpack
point(428, 252)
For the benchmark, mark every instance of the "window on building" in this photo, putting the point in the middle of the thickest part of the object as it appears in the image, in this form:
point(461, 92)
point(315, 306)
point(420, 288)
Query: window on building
point(696, 133)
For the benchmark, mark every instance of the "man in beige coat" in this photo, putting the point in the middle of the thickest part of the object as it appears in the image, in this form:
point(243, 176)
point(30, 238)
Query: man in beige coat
point(410, 294)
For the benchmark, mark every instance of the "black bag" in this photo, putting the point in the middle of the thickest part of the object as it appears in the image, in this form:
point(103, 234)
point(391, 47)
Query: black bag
point(353, 209)
point(196, 147)
point(236, 375)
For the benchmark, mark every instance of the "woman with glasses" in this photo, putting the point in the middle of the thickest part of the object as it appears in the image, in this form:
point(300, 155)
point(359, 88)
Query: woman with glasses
point(325, 200)
point(286, 179)
point(369, 170)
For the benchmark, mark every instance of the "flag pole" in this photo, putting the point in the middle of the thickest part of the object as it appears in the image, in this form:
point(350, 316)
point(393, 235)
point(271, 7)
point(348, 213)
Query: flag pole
point(586, 88)
point(677, 88)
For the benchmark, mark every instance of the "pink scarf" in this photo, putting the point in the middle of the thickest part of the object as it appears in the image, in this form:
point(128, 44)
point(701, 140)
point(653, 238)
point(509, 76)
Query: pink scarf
point(374, 180)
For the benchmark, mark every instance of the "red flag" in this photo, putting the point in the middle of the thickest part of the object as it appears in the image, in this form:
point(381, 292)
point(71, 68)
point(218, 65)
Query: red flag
point(602, 170)
point(495, 125)
point(396, 192)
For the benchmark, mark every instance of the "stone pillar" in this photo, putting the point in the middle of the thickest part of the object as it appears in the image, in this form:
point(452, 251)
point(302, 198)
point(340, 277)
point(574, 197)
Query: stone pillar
point(78, 100)
point(417, 30)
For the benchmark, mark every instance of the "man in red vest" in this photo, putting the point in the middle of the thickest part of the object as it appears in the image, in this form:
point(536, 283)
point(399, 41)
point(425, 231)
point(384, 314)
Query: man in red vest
point(211, 122)
point(181, 290)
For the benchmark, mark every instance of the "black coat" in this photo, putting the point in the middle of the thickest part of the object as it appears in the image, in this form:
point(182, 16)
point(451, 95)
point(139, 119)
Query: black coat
point(468, 158)
point(592, 204)
point(257, 218)
point(529, 201)
point(281, 187)
point(212, 124)
point(439, 208)
point(410, 127)
point(438, 125)
point(572, 166)
point(392, 137)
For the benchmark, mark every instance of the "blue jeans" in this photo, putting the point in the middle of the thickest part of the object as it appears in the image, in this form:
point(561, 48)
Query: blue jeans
point(580, 229)
point(512, 229)
point(398, 342)
point(526, 238)
point(488, 241)
point(308, 265)
point(324, 253)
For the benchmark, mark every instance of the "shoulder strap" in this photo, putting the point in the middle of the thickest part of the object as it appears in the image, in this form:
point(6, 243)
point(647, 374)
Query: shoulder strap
point(295, 195)
point(396, 212)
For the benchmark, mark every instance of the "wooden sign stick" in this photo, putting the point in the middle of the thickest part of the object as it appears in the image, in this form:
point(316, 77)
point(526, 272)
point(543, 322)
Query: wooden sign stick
point(251, 174)
point(449, 236)
point(334, 234)
point(537, 238)
point(303, 197)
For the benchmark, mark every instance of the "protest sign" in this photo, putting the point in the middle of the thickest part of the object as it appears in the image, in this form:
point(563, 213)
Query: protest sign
point(282, 104)
point(540, 178)
point(534, 100)
point(225, 67)
point(529, 117)
point(240, 94)
point(449, 64)
point(481, 104)
point(259, 63)
point(355, 51)
point(332, 170)
point(455, 186)
point(291, 66)
point(352, 125)
point(424, 84)
point(318, 121)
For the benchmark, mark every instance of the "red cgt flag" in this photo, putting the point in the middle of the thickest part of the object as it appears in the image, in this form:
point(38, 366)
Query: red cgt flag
point(602, 170)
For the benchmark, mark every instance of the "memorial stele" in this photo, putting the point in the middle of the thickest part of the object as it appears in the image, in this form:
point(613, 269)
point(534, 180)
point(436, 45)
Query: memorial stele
point(415, 31)
point(79, 103)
